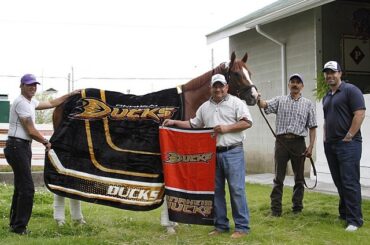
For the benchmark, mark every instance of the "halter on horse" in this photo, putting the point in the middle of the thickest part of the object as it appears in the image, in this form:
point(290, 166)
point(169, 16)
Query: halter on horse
point(236, 73)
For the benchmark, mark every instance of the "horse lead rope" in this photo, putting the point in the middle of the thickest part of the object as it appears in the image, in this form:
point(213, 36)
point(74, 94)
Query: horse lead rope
point(286, 147)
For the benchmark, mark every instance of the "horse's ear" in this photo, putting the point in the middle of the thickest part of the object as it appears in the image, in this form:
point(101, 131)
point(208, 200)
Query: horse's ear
point(245, 58)
point(232, 59)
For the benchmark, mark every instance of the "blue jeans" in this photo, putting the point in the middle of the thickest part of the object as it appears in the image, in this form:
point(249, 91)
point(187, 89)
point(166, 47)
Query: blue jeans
point(344, 163)
point(231, 166)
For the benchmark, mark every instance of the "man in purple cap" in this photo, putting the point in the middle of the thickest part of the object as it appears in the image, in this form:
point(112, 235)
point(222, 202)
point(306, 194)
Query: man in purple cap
point(295, 118)
point(344, 112)
point(18, 149)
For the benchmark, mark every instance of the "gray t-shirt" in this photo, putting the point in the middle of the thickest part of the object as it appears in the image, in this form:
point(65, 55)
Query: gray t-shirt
point(21, 108)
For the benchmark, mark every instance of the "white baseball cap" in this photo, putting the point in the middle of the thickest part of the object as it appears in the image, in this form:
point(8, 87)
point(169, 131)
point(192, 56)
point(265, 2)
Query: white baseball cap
point(218, 78)
point(296, 75)
point(332, 65)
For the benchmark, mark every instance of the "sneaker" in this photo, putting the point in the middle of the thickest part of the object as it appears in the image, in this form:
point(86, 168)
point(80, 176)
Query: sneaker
point(238, 234)
point(215, 232)
point(351, 228)
point(60, 222)
point(79, 222)
point(21, 232)
point(170, 230)
point(275, 214)
point(25, 233)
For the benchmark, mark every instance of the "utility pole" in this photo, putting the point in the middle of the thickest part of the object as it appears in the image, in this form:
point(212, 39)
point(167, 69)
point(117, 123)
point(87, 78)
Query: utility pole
point(69, 82)
point(42, 80)
point(72, 79)
point(212, 59)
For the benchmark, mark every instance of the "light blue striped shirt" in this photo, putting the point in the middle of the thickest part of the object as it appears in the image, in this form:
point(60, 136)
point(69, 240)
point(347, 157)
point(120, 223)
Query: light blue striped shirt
point(292, 116)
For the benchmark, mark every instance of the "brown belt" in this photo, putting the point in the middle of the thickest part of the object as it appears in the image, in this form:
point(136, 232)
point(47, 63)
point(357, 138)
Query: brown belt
point(227, 148)
point(289, 136)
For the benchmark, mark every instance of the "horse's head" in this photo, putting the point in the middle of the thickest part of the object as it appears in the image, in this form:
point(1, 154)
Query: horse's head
point(239, 79)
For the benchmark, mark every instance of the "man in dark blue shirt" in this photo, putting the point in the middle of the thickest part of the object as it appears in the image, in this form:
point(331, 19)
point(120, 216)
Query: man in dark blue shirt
point(344, 112)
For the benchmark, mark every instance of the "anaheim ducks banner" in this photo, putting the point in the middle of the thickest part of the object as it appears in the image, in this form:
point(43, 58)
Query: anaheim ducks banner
point(189, 159)
point(106, 148)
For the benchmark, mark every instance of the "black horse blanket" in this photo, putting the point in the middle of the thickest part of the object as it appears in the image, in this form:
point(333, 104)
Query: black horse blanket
point(106, 149)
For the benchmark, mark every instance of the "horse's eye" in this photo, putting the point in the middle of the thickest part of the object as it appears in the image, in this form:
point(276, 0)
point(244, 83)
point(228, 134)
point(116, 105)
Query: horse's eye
point(236, 74)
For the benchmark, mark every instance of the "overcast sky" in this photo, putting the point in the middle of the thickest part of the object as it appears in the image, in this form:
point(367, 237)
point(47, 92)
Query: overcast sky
point(112, 38)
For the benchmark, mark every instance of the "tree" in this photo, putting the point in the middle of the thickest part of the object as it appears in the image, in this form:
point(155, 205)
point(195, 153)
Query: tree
point(44, 116)
point(321, 87)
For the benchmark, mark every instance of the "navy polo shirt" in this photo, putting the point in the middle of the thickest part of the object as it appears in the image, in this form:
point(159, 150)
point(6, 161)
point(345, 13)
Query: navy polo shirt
point(338, 111)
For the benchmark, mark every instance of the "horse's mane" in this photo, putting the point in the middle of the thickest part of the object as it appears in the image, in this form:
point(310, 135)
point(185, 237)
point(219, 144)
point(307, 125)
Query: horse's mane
point(199, 82)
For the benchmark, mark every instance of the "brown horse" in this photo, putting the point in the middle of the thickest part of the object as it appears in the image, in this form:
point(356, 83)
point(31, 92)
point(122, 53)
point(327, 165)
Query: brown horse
point(197, 90)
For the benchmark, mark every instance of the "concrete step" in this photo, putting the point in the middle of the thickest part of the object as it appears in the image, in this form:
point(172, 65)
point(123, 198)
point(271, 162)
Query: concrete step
point(323, 187)
point(38, 149)
point(34, 162)
point(8, 178)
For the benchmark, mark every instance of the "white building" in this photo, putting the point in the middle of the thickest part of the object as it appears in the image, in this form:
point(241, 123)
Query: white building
point(299, 36)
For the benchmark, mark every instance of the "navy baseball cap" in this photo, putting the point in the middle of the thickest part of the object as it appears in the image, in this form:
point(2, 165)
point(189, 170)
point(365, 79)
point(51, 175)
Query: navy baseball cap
point(29, 79)
point(296, 75)
point(331, 65)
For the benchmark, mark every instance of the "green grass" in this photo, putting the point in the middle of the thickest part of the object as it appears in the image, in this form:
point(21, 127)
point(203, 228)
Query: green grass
point(318, 224)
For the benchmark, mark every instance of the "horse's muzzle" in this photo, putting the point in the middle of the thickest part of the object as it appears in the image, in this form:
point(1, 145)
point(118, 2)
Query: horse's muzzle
point(246, 95)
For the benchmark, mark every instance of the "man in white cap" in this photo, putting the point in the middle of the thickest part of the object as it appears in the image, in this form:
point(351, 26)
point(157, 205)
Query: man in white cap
point(344, 111)
point(18, 149)
point(295, 119)
point(229, 117)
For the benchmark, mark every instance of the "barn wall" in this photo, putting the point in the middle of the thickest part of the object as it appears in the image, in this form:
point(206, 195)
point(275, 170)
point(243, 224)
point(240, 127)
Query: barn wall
point(298, 33)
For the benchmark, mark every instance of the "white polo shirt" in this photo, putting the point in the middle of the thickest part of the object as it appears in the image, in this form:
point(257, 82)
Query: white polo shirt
point(21, 108)
point(229, 111)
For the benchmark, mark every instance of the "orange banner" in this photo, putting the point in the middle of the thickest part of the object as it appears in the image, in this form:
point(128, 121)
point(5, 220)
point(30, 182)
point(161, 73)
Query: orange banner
point(189, 159)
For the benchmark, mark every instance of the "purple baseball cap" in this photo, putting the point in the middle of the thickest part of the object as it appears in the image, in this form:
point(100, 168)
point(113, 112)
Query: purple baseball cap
point(29, 79)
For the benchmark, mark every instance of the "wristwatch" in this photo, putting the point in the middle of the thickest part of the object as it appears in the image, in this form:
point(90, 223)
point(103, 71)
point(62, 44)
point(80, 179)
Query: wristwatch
point(46, 141)
point(349, 135)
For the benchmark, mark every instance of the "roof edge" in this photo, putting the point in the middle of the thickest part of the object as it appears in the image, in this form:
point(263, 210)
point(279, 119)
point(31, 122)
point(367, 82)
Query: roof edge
point(286, 11)
point(216, 36)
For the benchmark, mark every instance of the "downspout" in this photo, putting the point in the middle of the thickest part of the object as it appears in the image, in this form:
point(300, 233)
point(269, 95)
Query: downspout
point(283, 59)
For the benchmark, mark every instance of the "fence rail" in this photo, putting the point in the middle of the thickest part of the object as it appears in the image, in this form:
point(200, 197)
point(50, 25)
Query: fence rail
point(38, 150)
